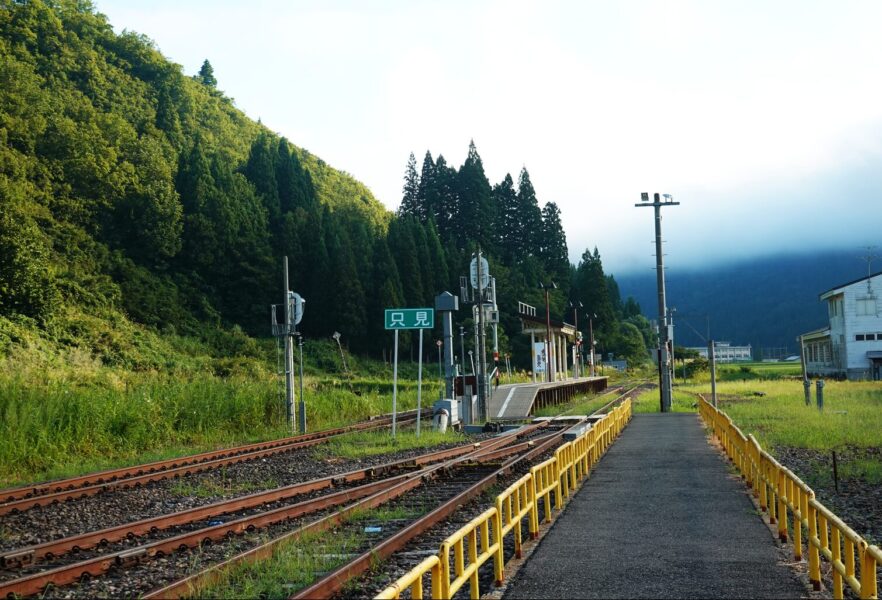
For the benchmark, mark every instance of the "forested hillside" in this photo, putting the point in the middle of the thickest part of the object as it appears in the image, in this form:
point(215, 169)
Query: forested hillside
point(139, 204)
point(765, 302)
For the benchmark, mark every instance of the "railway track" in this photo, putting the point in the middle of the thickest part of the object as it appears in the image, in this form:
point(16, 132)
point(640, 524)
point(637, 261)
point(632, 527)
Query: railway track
point(43, 494)
point(410, 554)
point(29, 571)
point(157, 556)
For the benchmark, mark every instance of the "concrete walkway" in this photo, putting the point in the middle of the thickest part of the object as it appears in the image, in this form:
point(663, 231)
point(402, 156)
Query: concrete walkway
point(660, 517)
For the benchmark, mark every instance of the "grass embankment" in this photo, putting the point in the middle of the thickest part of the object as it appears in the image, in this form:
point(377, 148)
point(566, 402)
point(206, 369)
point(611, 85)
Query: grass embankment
point(768, 401)
point(112, 398)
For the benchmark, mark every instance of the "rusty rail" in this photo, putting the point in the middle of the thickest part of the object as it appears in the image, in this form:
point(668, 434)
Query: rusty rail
point(190, 468)
point(103, 477)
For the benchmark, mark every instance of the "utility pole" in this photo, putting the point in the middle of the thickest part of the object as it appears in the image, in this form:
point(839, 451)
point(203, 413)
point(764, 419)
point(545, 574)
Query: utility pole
point(664, 329)
point(591, 318)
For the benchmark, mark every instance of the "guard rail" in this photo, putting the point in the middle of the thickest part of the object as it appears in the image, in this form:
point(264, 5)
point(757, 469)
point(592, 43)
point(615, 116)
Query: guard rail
point(483, 539)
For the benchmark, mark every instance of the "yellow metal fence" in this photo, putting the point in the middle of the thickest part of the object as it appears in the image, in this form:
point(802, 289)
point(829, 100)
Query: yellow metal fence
point(482, 539)
point(783, 495)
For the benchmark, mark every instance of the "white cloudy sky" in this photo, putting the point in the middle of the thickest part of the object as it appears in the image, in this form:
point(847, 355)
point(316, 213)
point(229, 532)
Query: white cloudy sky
point(764, 119)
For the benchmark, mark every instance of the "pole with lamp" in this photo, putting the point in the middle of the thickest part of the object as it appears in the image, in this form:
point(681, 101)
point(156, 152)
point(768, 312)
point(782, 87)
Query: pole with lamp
point(548, 349)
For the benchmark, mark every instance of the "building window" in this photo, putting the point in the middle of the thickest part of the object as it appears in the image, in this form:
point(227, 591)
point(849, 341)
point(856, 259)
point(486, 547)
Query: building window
point(871, 337)
point(866, 307)
point(859, 337)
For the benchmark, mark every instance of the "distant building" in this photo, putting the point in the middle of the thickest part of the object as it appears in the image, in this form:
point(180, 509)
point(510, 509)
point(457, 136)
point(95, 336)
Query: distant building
point(725, 352)
point(851, 345)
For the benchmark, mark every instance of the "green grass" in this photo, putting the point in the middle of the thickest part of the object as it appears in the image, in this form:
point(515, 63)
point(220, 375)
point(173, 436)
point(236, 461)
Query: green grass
point(225, 487)
point(852, 413)
point(371, 443)
point(297, 563)
point(584, 405)
point(648, 402)
point(70, 414)
point(852, 418)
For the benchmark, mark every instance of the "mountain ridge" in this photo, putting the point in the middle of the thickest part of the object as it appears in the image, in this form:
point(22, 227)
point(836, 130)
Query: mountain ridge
point(764, 301)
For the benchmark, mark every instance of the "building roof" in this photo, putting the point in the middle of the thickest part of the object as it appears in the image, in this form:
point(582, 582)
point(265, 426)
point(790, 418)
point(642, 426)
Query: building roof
point(817, 333)
point(823, 295)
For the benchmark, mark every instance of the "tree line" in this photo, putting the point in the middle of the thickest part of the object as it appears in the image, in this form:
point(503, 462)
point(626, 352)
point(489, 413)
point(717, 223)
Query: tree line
point(130, 188)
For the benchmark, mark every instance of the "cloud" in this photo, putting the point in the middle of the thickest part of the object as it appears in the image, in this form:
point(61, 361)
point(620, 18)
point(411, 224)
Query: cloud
point(759, 117)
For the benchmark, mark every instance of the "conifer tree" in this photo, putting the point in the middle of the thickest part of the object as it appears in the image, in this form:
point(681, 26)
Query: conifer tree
point(426, 197)
point(475, 218)
point(445, 200)
point(589, 287)
point(404, 250)
point(507, 219)
point(529, 224)
point(427, 271)
point(346, 311)
point(261, 172)
point(386, 288)
point(206, 75)
point(438, 259)
point(553, 243)
point(410, 201)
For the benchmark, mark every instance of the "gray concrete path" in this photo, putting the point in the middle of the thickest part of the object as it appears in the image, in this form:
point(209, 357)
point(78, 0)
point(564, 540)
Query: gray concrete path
point(660, 517)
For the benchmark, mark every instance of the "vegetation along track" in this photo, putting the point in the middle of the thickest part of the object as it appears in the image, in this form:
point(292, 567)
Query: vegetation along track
point(135, 561)
point(418, 537)
point(43, 494)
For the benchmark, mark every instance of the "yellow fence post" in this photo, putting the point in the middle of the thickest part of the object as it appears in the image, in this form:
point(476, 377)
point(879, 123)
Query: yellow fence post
point(782, 506)
point(813, 547)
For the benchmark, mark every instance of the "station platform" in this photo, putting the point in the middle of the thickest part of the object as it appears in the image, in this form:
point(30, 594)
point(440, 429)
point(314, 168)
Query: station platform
point(516, 401)
point(660, 517)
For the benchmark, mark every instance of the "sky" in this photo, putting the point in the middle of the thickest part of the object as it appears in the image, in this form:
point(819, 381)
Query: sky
point(763, 119)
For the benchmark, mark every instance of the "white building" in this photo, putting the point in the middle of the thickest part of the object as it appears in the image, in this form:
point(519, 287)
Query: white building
point(725, 352)
point(851, 346)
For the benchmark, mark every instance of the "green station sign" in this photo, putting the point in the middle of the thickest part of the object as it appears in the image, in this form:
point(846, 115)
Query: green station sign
point(410, 318)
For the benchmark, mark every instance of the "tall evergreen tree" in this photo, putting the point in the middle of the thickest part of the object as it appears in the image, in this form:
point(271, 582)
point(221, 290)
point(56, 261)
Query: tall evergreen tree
point(261, 172)
point(553, 243)
point(346, 310)
point(386, 289)
point(445, 200)
point(410, 201)
point(507, 219)
point(426, 197)
point(438, 259)
point(206, 74)
point(475, 218)
point(529, 223)
point(313, 271)
point(590, 288)
point(404, 250)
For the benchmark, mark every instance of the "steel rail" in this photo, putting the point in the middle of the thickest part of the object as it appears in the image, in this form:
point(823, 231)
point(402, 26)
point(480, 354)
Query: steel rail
point(60, 576)
point(334, 582)
point(100, 477)
point(186, 585)
point(97, 566)
point(24, 556)
point(187, 469)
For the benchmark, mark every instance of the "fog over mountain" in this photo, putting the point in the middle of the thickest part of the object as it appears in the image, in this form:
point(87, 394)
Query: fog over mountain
point(766, 302)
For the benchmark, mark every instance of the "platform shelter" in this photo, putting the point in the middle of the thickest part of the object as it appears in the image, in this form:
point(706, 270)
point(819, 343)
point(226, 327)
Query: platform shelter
point(561, 362)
